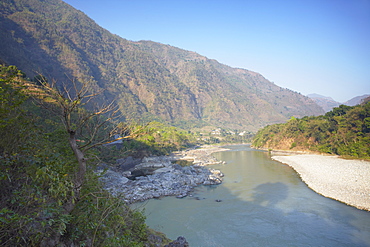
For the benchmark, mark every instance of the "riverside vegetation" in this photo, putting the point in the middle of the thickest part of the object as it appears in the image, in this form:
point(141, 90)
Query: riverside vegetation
point(343, 131)
point(43, 201)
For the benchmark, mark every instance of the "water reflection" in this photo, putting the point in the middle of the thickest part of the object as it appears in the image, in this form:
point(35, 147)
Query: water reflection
point(264, 203)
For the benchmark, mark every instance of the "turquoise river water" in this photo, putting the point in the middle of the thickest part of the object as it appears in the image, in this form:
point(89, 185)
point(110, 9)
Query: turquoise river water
point(260, 203)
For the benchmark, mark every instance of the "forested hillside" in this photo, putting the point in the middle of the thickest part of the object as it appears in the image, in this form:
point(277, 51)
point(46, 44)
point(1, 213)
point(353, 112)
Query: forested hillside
point(49, 149)
point(147, 80)
point(344, 131)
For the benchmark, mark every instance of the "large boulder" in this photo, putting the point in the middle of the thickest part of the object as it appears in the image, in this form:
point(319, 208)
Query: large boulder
point(127, 163)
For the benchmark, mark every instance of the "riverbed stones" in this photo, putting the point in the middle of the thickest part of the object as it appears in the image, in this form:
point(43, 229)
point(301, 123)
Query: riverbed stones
point(112, 178)
point(331, 176)
point(155, 177)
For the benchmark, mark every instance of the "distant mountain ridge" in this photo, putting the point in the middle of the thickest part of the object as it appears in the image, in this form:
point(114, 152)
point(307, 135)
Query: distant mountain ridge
point(356, 100)
point(315, 95)
point(327, 103)
point(148, 80)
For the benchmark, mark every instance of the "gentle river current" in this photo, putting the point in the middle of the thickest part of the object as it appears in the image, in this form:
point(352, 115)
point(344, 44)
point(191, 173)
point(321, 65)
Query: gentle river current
point(263, 203)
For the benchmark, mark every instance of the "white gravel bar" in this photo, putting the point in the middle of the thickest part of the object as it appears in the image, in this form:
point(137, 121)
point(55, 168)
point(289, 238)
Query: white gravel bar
point(347, 181)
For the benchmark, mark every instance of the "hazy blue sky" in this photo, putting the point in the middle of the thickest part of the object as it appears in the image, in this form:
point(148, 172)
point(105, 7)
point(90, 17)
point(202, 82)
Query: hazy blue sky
point(309, 46)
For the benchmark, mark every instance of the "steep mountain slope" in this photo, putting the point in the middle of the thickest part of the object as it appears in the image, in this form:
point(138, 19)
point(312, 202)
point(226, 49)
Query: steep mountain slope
point(148, 80)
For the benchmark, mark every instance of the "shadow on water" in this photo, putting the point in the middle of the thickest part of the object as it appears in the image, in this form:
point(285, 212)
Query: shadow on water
point(270, 194)
point(269, 211)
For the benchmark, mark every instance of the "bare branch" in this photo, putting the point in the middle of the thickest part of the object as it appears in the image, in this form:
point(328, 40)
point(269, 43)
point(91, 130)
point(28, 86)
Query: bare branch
point(132, 135)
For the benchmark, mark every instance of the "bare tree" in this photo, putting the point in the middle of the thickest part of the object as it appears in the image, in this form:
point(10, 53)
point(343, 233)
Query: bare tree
point(83, 127)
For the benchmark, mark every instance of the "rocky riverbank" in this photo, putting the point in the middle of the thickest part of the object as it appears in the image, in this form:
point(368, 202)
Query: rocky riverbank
point(153, 177)
point(344, 180)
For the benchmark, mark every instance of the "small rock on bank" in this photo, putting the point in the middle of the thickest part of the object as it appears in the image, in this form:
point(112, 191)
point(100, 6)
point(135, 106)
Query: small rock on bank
point(179, 242)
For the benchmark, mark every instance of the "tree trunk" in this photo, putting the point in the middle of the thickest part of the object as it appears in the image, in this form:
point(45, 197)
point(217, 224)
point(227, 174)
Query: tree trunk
point(80, 176)
point(54, 240)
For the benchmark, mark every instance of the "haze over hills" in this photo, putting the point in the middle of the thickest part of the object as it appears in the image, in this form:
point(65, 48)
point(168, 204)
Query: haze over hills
point(327, 103)
point(356, 100)
point(148, 80)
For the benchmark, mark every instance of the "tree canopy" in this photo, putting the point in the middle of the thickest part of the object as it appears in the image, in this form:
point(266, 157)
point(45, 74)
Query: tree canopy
point(343, 131)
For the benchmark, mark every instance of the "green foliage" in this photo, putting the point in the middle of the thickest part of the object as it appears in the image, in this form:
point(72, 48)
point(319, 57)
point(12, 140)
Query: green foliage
point(338, 111)
point(107, 220)
point(162, 139)
point(13, 121)
point(343, 131)
point(153, 139)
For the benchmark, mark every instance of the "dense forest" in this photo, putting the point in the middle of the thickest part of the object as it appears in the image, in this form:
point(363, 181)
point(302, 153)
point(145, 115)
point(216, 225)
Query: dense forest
point(343, 131)
point(148, 80)
point(49, 149)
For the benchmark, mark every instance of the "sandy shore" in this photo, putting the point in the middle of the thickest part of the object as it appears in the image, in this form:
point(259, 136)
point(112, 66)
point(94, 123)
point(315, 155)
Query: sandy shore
point(200, 156)
point(347, 181)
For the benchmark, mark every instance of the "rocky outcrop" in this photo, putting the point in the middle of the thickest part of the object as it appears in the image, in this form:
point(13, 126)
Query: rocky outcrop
point(155, 177)
point(179, 242)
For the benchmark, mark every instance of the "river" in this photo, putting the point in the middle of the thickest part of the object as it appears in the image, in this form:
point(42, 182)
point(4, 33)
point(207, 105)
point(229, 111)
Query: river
point(260, 203)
